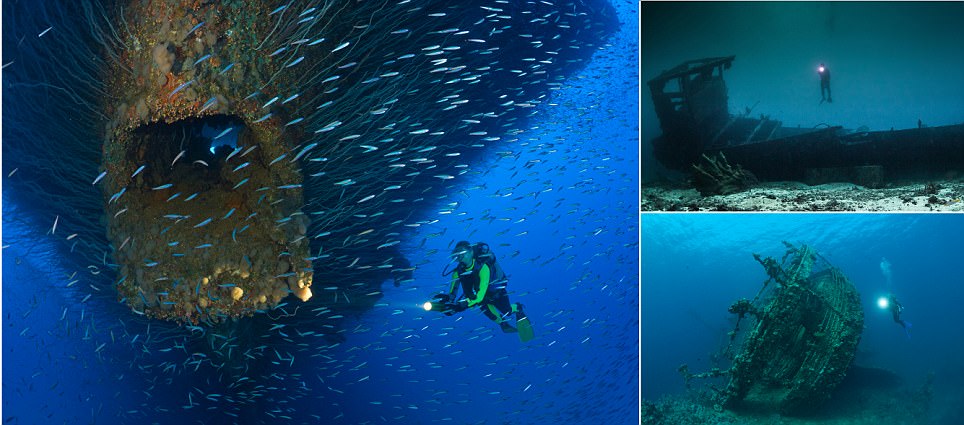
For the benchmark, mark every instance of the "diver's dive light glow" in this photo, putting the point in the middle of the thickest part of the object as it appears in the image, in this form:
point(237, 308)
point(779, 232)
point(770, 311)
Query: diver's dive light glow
point(882, 302)
point(820, 69)
point(427, 306)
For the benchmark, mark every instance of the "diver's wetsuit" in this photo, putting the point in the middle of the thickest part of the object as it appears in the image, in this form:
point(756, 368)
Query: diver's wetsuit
point(486, 287)
point(895, 309)
point(825, 84)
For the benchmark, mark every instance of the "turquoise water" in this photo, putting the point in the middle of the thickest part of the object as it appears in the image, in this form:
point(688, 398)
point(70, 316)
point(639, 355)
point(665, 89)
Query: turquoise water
point(695, 266)
point(892, 63)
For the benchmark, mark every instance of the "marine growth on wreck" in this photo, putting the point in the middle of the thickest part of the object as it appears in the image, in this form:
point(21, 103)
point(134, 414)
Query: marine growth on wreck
point(801, 339)
point(195, 150)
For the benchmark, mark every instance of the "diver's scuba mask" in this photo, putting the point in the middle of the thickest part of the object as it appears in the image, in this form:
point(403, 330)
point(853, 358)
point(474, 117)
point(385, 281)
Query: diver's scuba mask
point(460, 249)
point(455, 261)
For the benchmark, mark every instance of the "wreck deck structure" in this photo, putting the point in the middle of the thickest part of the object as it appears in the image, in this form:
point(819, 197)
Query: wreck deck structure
point(691, 103)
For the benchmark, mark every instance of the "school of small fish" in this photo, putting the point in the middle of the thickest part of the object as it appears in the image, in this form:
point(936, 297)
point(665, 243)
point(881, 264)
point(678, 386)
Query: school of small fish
point(259, 188)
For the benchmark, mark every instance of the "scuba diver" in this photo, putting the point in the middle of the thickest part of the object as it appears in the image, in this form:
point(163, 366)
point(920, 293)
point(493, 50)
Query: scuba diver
point(824, 84)
point(483, 284)
point(895, 309)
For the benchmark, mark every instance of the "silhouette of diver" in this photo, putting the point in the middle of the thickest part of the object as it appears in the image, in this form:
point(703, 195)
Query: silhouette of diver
point(824, 84)
point(895, 309)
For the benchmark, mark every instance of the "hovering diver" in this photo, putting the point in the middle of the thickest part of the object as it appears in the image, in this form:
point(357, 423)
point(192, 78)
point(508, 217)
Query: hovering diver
point(824, 84)
point(895, 308)
point(483, 284)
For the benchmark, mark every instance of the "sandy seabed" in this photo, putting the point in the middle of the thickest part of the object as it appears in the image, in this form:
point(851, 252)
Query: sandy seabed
point(794, 196)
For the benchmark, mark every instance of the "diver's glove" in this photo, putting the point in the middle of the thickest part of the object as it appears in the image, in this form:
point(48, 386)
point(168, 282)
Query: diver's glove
point(460, 306)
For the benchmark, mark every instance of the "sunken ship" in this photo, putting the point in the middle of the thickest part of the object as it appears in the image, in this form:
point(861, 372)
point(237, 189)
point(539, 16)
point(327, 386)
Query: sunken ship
point(700, 133)
point(799, 338)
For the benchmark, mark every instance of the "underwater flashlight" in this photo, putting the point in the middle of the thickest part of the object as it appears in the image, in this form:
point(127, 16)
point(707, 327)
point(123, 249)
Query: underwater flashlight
point(820, 69)
point(882, 302)
point(439, 302)
point(434, 306)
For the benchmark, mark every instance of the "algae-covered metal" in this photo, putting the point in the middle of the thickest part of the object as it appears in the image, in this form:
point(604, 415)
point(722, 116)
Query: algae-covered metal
point(805, 337)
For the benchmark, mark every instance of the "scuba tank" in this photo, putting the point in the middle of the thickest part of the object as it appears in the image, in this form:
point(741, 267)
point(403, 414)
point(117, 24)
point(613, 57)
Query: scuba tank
point(481, 252)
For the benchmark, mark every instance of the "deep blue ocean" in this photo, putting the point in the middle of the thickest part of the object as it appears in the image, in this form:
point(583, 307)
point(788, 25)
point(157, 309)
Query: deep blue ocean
point(694, 266)
point(560, 214)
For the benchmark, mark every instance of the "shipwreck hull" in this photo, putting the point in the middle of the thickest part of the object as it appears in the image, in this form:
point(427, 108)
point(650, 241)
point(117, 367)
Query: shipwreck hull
point(924, 153)
point(804, 340)
point(691, 103)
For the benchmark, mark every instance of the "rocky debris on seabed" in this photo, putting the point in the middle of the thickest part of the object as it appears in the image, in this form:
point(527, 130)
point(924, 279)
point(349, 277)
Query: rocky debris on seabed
point(870, 406)
point(795, 196)
point(715, 176)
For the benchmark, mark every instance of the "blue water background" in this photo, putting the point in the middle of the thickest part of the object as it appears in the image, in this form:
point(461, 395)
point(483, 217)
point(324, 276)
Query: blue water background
point(571, 216)
point(695, 266)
